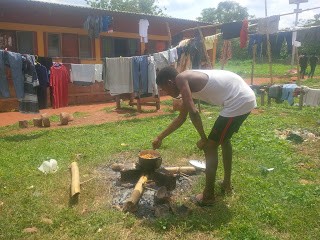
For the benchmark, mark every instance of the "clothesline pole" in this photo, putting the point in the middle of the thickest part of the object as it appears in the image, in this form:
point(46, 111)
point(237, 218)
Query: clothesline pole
point(269, 58)
point(169, 34)
point(254, 52)
point(298, 67)
point(214, 51)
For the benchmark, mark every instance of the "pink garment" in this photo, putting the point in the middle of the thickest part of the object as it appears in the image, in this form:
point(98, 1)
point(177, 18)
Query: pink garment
point(59, 80)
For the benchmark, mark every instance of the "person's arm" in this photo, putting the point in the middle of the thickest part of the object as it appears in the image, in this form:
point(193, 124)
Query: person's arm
point(174, 125)
point(185, 91)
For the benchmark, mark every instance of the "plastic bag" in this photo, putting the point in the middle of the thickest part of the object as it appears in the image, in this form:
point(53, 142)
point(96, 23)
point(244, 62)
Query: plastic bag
point(50, 166)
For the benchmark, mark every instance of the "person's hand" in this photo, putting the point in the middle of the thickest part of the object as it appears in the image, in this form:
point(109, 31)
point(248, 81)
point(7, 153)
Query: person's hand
point(156, 143)
point(202, 143)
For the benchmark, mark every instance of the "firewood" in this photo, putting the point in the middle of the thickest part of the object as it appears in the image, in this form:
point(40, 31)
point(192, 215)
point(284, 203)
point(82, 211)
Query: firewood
point(75, 179)
point(23, 124)
point(186, 170)
point(130, 204)
point(37, 122)
point(45, 120)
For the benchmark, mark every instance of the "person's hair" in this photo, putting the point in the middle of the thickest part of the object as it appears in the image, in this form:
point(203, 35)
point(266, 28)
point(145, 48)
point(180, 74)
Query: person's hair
point(166, 74)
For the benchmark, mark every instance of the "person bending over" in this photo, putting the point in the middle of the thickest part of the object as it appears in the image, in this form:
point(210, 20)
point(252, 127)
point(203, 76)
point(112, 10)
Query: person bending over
point(216, 87)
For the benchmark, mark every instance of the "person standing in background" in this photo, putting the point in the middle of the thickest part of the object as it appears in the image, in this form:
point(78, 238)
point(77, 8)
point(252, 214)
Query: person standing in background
point(313, 60)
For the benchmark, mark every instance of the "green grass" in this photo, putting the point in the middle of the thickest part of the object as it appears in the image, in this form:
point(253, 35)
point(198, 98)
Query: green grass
point(276, 205)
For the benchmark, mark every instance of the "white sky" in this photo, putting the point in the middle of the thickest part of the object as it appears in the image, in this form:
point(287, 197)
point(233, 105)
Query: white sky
point(191, 9)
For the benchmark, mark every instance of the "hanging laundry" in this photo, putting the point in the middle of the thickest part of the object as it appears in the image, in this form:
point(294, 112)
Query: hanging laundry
point(98, 72)
point(173, 55)
point(47, 62)
point(283, 37)
point(43, 78)
point(287, 92)
point(231, 30)
point(59, 79)
point(117, 75)
point(161, 59)
point(226, 53)
point(311, 97)
point(177, 38)
point(14, 61)
point(29, 103)
point(244, 33)
point(275, 91)
point(83, 74)
point(93, 26)
point(268, 25)
point(255, 39)
point(209, 41)
point(143, 30)
point(140, 74)
point(107, 24)
point(152, 85)
point(184, 42)
point(308, 35)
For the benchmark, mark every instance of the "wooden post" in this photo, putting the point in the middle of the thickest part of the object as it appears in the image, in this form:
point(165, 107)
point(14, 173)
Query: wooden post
point(75, 179)
point(269, 58)
point(169, 35)
point(263, 93)
point(254, 52)
point(298, 67)
point(301, 99)
point(131, 204)
point(214, 52)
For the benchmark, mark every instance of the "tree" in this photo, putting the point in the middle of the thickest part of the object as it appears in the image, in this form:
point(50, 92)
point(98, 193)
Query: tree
point(135, 6)
point(227, 11)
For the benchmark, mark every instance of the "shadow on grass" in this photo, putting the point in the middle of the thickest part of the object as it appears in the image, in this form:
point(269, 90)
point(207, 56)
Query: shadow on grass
point(21, 138)
point(200, 219)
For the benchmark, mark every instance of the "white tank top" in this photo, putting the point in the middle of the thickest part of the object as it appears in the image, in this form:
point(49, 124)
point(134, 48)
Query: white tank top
point(229, 90)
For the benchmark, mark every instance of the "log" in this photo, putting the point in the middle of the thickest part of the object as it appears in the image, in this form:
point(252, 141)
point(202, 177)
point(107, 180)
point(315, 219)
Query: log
point(131, 203)
point(75, 179)
point(45, 120)
point(64, 118)
point(23, 124)
point(186, 170)
point(37, 122)
point(176, 104)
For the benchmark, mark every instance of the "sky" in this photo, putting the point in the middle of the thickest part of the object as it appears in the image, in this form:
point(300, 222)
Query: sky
point(191, 9)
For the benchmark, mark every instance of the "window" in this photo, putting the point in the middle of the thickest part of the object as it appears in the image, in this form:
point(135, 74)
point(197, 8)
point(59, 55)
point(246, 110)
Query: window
point(8, 40)
point(25, 42)
point(116, 47)
point(85, 47)
point(107, 47)
point(54, 48)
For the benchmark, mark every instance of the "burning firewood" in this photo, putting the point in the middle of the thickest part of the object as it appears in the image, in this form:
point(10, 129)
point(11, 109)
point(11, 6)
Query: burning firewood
point(131, 203)
point(186, 170)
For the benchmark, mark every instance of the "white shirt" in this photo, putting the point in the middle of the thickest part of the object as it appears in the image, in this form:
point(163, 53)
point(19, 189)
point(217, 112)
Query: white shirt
point(143, 29)
point(228, 90)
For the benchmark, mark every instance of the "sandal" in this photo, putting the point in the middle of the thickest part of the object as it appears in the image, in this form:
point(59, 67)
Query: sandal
point(198, 200)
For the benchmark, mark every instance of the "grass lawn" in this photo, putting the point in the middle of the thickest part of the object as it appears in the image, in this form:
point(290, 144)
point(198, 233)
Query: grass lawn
point(281, 204)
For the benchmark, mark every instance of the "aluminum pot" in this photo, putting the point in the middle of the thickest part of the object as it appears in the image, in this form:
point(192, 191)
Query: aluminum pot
point(149, 160)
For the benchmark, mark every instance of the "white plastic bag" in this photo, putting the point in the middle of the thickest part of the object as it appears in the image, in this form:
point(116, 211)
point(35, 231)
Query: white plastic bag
point(50, 166)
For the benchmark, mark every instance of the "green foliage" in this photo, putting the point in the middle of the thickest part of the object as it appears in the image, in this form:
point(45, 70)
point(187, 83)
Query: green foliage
point(227, 11)
point(136, 6)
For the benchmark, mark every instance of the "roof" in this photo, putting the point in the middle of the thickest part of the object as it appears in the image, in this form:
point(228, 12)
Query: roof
point(56, 14)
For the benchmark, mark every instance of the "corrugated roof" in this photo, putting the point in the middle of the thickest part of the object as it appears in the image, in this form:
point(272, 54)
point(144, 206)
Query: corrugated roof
point(112, 11)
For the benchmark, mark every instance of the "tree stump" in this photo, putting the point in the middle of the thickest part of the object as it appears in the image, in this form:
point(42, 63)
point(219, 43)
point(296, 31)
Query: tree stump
point(23, 124)
point(37, 122)
point(64, 118)
point(45, 120)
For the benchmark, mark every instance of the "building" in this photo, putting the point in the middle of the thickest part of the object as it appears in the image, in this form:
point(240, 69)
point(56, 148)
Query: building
point(56, 30)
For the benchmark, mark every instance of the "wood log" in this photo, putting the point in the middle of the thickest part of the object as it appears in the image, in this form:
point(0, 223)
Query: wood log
point(186, 170)
point(23, 124)
point(75, 179)
point(131, 203)
point(176, 104)
point(45, 120)
point(37, 122)
point(64, 118)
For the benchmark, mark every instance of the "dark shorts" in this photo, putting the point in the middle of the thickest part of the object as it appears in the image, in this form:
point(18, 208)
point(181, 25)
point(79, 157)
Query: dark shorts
point(225, 127)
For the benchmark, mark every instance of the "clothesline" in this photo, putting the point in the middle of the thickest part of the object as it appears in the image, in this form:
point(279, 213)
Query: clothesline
point(250, 20)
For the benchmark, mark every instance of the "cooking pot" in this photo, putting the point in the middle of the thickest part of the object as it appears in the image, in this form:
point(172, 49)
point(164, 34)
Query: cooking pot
point(149, 160)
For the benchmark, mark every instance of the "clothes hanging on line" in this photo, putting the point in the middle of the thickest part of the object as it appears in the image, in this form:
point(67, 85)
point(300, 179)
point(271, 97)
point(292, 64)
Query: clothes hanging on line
point(143, 30)
point(311, 97)
point(117, 75)
point(231, 30)
point(44, 83)
point(82, 74)
point(14, 61)
point(268, 25)
point(29, 103)
point(140, 74)
point(59, 80)
point(98, 72)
